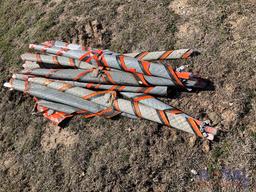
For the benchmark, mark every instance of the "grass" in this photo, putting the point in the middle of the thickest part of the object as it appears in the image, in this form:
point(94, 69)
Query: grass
point(24, 25)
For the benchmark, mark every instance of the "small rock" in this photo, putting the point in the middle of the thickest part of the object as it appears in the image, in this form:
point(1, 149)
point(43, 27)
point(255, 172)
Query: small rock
point(120, 9)
point(206, 146)
point(13, 171)
point(228, 116)
point(192, 141)
point(193, 171)
point(82, 174)
point(214, 117)
point(174, 135)
point(129, 129)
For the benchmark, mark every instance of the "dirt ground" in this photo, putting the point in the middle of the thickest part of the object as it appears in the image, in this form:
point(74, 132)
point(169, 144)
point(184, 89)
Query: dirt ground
point(125, 154)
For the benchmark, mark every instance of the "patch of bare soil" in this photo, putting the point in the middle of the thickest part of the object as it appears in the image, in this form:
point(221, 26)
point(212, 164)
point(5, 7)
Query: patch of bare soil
point(54, 136)
point(126, 154)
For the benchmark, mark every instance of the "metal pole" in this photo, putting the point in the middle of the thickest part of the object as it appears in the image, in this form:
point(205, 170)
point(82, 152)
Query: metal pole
point(54, 95)
point(144, 55)
point(159, 105)
point(157, 90)
point(128, 64)
point(101, 76)
point(103, 98)
point(161, 55)
point(170, 117)
point(56, 60)
point(58, 106)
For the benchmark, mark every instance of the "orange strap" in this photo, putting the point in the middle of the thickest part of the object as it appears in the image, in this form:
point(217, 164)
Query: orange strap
point(60, 52)
point(83, 48)
point(123, 65)
point(97, 86)
point(47, 81)
point(121, 88)
point(96, 94)
point(136, 109)
point(71, 62)
point(57, 117)
point(51, 71)
point(84, 56)
point(91, 95)
point(41, 108)
point(82, 74)
point(187, 54)
point(48, 43)
point(170, 69)
point(44, 48)
point(162, 117)
point(81, 111)
point(140, 77)
point(113, 87)
point(26, 87)
point(65, 87)
point(195, 127)
point(145, 65)
point(165, 55)
point(38, 58)
point(183, 75)
point(142, 97)
point(92, 115)
point(110, 79)
point(174, 111)
point(89, 85)
point(102, 58)
point(147, 90)
point(55, 60)
point(103, 113)
point(116, 105)
point(141, 55)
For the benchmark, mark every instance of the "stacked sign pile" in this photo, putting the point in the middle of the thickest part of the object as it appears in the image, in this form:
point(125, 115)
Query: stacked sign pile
point(68, 79)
